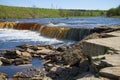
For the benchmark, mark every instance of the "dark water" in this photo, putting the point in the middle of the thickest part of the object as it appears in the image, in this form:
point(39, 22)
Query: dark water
point(74, 22)
point(12, 69)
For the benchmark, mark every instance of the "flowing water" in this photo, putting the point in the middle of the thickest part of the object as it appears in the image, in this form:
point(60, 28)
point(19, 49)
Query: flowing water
point(73, 22)
point(10, 38)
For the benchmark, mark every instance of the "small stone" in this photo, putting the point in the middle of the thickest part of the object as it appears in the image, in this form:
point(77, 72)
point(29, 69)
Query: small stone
point(53, 69)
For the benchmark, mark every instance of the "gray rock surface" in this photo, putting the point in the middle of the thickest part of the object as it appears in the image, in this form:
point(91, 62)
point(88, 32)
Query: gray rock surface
point(88, 76)
point(111, 72)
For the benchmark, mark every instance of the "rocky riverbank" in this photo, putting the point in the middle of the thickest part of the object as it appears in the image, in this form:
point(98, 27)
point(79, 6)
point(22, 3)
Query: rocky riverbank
point(68, 63)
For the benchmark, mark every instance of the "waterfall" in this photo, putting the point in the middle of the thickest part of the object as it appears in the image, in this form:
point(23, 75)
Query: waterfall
point(52, 32)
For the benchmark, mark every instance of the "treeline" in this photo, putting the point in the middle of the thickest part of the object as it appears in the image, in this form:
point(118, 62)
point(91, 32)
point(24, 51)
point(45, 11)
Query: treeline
point(113, 12)
point(82, 13)
point(23, 12)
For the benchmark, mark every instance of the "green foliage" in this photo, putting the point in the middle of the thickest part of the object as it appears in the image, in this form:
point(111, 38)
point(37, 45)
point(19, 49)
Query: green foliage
point(23, 12)
point(99, 59)
point(113, 12)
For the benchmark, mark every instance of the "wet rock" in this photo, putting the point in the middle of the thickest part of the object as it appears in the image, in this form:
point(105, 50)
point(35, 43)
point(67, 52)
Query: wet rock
point(111, 72)
point(6, 61)
point(3, 76)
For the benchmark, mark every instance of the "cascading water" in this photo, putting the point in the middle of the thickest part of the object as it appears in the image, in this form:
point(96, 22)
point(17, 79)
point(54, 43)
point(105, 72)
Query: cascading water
point(52, 32)
point(9, 38)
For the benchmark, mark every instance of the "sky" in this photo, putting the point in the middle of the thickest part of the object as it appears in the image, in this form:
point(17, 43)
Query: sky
point(64, 4)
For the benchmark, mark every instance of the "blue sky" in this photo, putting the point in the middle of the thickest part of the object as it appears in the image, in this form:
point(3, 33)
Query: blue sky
point(64, 4)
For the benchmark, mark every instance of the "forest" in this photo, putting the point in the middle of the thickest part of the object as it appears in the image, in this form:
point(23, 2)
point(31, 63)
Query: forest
point(113, 12)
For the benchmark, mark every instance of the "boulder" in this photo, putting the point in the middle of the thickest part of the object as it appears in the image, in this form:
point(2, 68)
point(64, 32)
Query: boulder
point(111, 72)
point(72, 57)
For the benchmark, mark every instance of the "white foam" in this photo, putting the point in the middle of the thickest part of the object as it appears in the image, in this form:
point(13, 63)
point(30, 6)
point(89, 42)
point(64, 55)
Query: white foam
point(10, 38)
point(56, 24)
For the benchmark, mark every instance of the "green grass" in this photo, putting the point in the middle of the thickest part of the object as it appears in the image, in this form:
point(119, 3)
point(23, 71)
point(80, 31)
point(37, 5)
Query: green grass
point(23, 12)
point(115, 16)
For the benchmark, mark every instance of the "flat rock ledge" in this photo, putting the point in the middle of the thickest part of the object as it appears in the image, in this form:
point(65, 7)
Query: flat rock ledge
point(111, 72)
